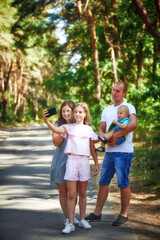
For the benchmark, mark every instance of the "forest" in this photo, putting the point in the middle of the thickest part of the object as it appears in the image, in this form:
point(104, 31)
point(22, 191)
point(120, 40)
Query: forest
point(52, 51)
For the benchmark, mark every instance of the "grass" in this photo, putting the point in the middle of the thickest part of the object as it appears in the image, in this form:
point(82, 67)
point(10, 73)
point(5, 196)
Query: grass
point(146, 163)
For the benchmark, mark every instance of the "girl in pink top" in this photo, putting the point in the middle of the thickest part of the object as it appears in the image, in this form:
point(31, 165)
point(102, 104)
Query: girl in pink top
point(80, 139)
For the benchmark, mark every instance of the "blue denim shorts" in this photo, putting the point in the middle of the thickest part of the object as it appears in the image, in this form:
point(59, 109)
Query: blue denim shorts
point(118, 162)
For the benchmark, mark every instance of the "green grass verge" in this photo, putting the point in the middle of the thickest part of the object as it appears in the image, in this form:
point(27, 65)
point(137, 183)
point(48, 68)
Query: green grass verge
point(146, 164)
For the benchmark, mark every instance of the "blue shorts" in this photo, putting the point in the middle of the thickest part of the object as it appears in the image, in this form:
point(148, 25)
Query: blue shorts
point(118, 162)
point(120, 140)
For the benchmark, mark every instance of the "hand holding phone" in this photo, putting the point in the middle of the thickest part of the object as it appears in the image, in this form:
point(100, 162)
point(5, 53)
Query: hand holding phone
point(51, 112)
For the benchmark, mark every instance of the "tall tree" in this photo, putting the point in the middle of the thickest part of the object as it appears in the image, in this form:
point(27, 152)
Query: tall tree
point(152, 29)
point(116, 40)
point(110, 40)
point(91, 24)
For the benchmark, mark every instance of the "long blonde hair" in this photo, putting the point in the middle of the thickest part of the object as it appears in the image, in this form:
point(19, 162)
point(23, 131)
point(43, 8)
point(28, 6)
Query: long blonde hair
point(86, 110)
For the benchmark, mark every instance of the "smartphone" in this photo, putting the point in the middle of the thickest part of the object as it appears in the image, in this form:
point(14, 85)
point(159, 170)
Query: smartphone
point(51, 112)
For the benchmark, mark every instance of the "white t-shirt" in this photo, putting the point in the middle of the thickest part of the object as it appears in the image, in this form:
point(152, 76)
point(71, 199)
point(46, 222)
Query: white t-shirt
point(108, 115)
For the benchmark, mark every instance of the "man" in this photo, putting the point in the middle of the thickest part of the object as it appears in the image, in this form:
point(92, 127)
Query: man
point(118, 158)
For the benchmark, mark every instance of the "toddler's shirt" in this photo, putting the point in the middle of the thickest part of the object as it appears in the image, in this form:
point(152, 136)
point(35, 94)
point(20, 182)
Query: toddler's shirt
point(124, 120)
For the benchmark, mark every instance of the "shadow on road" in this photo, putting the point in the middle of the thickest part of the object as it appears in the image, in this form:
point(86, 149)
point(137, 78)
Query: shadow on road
point(29, 207)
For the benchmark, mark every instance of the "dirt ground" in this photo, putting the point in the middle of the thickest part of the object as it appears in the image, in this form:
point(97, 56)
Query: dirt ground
point(144, 211)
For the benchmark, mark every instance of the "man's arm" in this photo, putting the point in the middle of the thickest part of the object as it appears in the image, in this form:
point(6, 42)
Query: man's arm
point(131, 127)
point(102, 129)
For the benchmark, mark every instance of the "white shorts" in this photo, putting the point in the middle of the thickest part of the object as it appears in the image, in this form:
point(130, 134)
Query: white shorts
point(77, 168)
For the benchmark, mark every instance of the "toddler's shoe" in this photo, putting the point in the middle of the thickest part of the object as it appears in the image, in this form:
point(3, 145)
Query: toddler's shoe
point(68, 228)
point(84, 224)
point(103, 139)
point(100, 149)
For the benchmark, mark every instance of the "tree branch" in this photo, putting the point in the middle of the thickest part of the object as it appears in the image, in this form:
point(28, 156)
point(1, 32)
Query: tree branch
point(146, 19)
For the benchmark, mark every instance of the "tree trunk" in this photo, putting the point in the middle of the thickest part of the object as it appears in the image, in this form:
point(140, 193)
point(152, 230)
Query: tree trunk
point(15, 83)
point(18, 104)
point(116, 41)
point(95, 51)
point(110, 41)
point(91, 24)
point(3, 98)
point(140, 56)
point(5, 73)
point(155, 57)
point(157, 4)
point(79, 8)
point(139, 62)
point(146, 19)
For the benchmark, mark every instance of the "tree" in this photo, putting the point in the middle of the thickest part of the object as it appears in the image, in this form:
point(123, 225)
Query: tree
point(91, 25)
point(152, 29)
point(110, 41)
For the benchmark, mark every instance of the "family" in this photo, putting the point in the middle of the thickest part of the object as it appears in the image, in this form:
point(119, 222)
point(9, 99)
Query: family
point(75, 140)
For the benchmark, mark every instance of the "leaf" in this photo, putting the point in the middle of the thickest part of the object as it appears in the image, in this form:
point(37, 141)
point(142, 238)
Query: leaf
point(111, 127)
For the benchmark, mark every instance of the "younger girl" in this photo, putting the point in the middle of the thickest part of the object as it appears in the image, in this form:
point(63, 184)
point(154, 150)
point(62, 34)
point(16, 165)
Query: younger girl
point(80, 138)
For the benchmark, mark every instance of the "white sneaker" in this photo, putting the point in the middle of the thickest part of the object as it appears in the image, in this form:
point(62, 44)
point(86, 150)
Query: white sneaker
point(76, 221)
point(68, 228)
point(84, 224)
point(66, 221)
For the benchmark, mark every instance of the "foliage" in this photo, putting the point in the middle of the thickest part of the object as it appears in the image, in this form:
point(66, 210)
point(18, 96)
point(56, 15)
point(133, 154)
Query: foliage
point(146, 163)
point(37, 71)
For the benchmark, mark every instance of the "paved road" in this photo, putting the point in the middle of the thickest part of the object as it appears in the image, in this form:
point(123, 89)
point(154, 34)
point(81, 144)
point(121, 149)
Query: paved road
point(29, 207)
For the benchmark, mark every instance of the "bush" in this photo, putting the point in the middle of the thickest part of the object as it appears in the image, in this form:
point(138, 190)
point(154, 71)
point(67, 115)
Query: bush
point(146, 164)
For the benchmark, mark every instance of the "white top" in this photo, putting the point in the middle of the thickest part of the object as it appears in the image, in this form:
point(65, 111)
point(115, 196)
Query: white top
point(78, 139)
point(108, 115)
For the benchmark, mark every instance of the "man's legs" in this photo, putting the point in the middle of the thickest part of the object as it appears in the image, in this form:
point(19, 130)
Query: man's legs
point(123, 165)
point(101, 199)
point(107, 173)
point(125, 200)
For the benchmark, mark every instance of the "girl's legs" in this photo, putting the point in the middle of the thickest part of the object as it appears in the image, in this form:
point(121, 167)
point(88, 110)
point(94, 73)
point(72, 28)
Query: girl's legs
point(71, 202)
point(82, 198)
point(63, 195)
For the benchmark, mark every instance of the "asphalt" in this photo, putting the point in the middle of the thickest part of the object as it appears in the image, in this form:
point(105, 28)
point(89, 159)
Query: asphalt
point(29, 207)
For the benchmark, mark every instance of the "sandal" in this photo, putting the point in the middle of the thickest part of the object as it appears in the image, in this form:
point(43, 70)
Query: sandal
point(100, 149)
point(103, 139)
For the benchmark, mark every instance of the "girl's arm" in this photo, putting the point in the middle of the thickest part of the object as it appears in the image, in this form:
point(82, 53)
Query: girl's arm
point(121, 125)
point(57, 139)
point(94, 155)
point(51, 126)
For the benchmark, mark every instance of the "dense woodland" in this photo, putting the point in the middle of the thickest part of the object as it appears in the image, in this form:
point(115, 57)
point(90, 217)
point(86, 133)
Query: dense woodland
point(105, 41)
